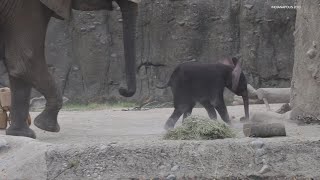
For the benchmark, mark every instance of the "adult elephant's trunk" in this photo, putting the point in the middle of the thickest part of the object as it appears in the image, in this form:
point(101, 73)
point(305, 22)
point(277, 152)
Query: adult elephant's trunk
point(129, 15)
point(245, 98)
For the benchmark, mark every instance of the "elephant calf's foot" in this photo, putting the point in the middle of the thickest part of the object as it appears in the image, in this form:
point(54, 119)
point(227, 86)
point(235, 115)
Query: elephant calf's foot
point(26, 131)
point(244, 119)
point(46, 121)
point(169, 125)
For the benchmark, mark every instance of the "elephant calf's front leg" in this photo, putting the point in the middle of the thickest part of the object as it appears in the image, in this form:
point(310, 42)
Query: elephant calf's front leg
point(222, 110)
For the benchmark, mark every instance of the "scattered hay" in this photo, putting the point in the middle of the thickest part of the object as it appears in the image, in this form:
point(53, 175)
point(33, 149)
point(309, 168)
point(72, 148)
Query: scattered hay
point(307, 119)
point(200, 128)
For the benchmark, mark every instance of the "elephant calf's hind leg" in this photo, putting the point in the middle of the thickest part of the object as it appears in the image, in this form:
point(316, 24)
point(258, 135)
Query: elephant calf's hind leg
point(172, 119)
point(188, 112)
point(210, 109)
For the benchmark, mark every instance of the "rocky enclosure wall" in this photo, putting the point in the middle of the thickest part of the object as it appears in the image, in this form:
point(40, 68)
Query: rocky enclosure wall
point(305, 85)
point(86, 54)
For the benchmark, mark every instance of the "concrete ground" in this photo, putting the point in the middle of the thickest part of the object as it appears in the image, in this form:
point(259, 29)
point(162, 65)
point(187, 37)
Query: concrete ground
point(113, 144)
point(116, 125)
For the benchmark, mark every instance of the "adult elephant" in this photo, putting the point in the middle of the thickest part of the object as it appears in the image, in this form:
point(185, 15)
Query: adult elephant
point(23, 26)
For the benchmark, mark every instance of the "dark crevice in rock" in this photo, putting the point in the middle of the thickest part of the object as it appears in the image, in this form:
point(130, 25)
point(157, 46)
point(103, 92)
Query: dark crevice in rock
point(66, 79)
point(149, 64)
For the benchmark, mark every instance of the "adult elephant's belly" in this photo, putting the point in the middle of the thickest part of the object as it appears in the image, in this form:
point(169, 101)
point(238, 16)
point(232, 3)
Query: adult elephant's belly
point(7, 9)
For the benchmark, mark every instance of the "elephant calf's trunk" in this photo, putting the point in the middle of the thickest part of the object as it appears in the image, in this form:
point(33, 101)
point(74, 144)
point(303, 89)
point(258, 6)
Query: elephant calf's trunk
point(245, 98)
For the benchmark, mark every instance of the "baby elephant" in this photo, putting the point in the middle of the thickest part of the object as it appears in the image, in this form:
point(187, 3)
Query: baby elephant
point(204, 83)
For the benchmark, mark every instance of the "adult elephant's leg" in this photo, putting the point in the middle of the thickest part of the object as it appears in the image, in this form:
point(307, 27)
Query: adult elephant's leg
point(20, 92)
point(45, 84)
point(25, 49)
point(43, 81)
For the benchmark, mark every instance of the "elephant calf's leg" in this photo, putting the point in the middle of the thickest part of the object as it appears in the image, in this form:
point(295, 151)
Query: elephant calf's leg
point(20, 92)
point(172, 119)
point(188, 111)
point(222, 110)
point(210, 109)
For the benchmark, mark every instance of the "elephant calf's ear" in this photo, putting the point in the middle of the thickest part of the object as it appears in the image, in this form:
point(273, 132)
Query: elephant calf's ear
point(236, 75)
point(228, 62)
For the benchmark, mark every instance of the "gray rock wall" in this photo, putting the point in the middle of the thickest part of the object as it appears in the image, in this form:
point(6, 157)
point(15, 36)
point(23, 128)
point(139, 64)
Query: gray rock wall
point(86, 54)
point(305, 85)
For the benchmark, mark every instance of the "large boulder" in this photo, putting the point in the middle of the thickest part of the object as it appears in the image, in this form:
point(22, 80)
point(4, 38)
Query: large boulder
point(305, 86)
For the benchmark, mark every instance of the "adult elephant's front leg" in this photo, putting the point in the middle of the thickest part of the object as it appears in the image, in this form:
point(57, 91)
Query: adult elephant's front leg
point(20, 92)
point(25, 60)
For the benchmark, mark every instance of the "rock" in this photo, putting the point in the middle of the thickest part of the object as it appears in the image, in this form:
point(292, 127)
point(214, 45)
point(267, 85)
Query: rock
point(114, 55)
point(274, 95)
point(237, 100)
point(264, 169)
point(305, 84)
point(264, 130)
point(257, 144)
point(284, 108)
point(83, 29)
point(95, 175)
point(248, 6)
point(175, 168)
point(171, 177)
point(260, 152)
point(93, 27)
point(3, 144)
point(311, 53)
point(38, 103)
point(181, 23)
point(265, 117)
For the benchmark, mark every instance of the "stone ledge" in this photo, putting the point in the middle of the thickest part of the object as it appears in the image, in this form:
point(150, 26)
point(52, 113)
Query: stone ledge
point(246, 158)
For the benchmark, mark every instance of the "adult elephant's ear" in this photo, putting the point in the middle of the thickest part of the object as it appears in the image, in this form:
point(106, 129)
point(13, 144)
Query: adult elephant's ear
point(61, 8)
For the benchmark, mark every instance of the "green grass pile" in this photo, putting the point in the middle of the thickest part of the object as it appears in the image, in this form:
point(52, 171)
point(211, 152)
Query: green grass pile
point(199, 128)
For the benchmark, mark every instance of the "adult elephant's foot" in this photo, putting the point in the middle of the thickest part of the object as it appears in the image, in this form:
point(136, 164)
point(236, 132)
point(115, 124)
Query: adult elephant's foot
point(47, 121)
point(26, 132)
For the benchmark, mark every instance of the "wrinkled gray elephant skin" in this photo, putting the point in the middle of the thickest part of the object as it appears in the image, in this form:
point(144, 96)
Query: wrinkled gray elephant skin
point(23, 26)
point(193, 82)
